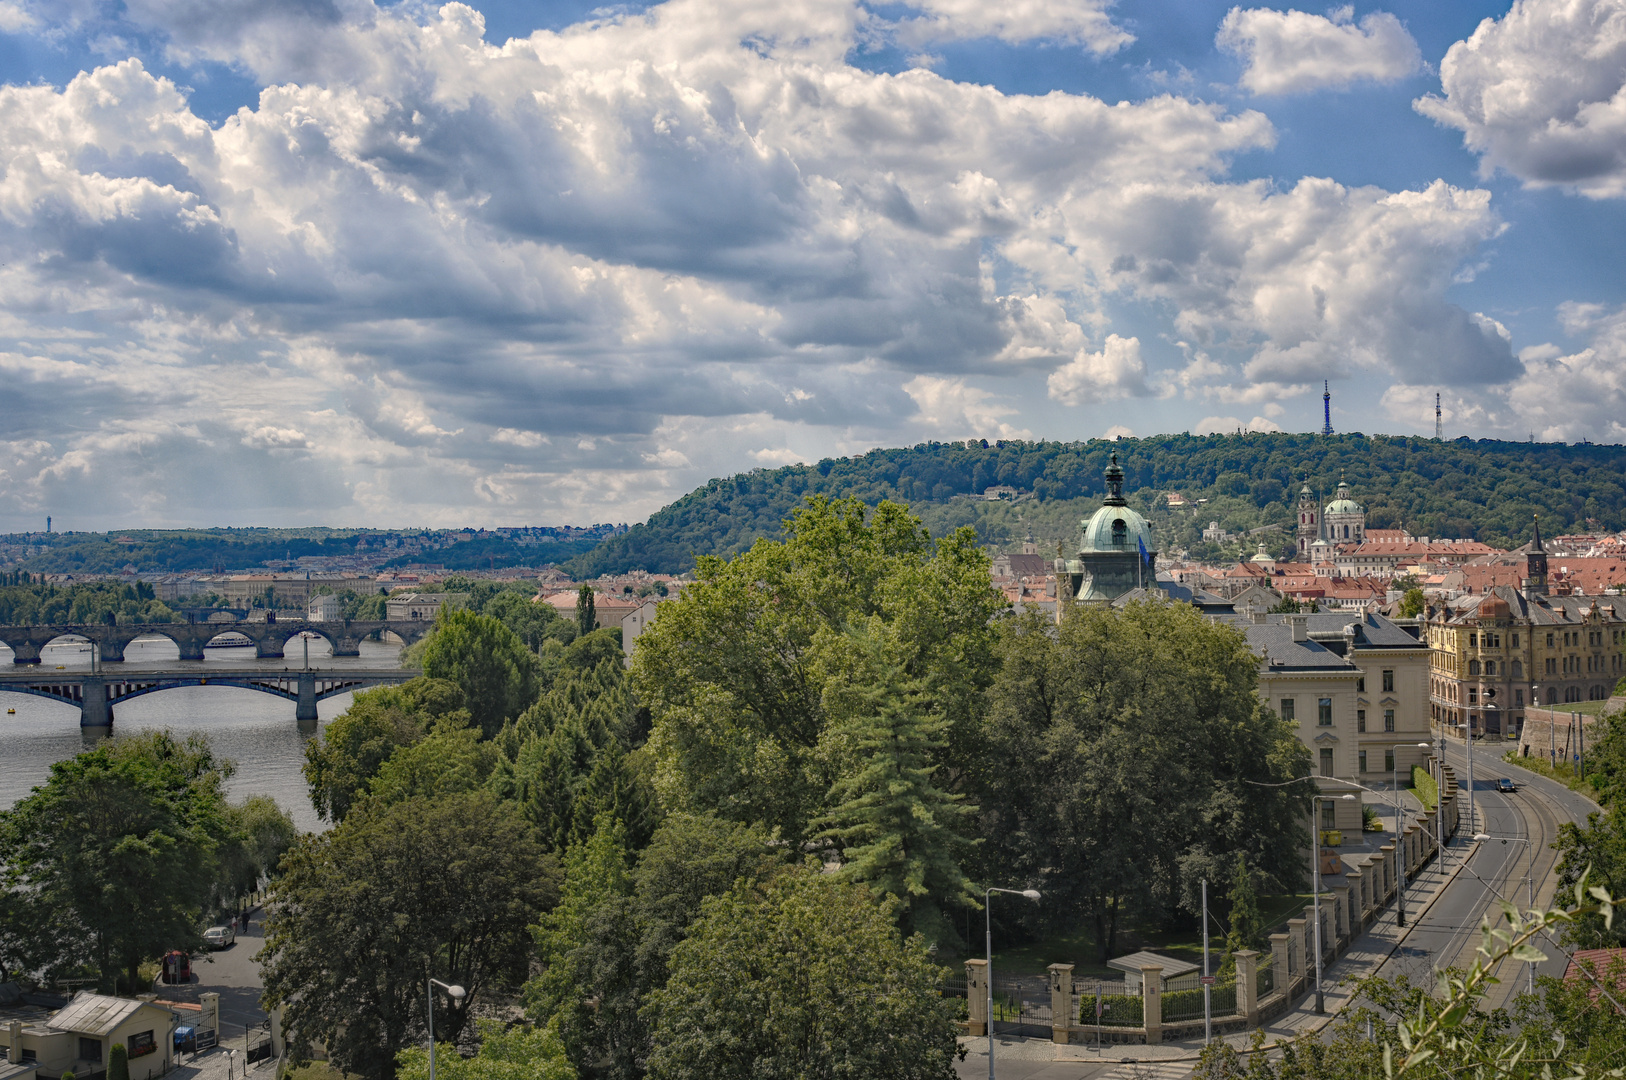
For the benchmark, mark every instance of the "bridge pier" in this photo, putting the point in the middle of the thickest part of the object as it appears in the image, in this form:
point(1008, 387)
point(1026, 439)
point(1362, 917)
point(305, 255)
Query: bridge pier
point(24, 652)
point(346, 645)
point(268, 648)
point(305, 710)
point(95, 711)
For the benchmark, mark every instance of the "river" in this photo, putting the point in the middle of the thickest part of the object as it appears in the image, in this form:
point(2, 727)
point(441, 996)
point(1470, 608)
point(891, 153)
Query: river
point(255, 730)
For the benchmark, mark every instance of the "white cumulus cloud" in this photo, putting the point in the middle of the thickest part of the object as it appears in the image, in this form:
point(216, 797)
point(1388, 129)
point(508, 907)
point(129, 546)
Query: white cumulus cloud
point(1541, 93)
point(1291, 52)
point(1116, 371)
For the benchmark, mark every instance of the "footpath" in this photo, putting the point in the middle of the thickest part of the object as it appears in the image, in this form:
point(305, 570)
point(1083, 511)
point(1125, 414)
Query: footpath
point(1028, 1058)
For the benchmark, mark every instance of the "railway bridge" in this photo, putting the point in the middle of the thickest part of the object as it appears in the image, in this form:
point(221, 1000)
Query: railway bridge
point(269, 638)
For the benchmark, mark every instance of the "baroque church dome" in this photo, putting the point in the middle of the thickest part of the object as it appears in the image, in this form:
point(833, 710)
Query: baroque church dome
point(1115, 527)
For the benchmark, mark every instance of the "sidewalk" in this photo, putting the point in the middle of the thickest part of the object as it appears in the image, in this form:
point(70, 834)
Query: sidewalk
point(1041, 1059)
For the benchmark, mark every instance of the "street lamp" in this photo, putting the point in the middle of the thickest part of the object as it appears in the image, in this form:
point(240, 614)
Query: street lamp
point(988, 941)
point(1530, 895)
point(1315, 889)
point(456, 993)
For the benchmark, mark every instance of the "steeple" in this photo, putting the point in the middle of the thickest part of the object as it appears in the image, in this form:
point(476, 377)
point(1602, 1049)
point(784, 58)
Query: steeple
point(1535, 564)
point(1115, 483)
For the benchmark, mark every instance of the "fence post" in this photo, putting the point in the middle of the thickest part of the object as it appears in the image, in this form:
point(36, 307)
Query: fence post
point(1151, 988)
point(1387, 854)
point(976, 997)
point(1281, 964)
point(1247, 985)
point(1357, 911)
point(1340, 913)
point(1297, 951)
point(1061, 1002)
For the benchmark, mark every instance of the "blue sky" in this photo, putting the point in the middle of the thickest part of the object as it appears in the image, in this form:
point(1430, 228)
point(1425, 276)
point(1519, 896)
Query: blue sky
point(268, 261)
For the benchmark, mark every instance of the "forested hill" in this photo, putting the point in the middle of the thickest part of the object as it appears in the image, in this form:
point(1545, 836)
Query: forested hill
point(1473, 490)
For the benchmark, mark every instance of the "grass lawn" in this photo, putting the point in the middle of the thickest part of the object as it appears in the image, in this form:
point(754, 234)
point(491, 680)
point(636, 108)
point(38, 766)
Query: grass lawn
point(1585, 708)
point(1564, 773)
point(1078, 948)
point(1424, 787)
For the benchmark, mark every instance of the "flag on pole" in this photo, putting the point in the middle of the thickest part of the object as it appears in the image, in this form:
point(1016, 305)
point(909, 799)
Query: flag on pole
point(1145, 557)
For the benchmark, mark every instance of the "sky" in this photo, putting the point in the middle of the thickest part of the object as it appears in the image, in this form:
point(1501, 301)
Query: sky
point(287, 262)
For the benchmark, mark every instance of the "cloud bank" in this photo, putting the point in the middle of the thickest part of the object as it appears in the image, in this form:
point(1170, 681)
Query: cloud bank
point(429, 279)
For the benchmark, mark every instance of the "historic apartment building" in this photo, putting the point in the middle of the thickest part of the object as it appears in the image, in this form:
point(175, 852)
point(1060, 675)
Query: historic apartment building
point(1497, 652)
point(1356, 687)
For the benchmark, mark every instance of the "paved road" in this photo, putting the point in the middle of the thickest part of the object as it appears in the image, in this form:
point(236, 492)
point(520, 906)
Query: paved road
point(1446, 934)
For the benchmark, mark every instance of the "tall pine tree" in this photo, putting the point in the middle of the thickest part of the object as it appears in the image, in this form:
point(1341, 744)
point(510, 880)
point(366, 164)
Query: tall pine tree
point(898, 832)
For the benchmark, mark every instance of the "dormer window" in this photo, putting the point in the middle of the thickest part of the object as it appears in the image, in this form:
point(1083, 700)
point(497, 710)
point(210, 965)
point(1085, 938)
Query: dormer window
point(1120, 533)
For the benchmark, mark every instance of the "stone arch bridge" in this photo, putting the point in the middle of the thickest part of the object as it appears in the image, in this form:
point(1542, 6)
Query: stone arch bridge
point(96, 692)
point(269, 638)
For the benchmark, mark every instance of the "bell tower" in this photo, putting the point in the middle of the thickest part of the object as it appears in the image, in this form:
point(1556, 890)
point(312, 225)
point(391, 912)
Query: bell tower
point(1309, 520)
point(1535, 565)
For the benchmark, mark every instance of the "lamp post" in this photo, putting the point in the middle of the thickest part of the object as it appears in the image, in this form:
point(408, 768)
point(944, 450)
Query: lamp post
point(456, 993)
point(988, 941)
point(1315, 889)
point(1530, 896)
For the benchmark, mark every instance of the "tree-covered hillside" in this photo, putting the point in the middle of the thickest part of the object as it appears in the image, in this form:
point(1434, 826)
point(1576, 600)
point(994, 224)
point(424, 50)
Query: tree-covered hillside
point(1473, 490)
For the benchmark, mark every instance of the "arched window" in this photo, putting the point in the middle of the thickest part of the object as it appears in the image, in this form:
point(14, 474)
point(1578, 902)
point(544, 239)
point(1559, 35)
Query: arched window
point(1490, 667)
point(1518, 669)
point(1120, 533)
point(1552, 695)
point(1473, 668)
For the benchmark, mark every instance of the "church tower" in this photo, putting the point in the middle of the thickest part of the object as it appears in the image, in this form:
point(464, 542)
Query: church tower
point(1309, 520)
point(1535, 566)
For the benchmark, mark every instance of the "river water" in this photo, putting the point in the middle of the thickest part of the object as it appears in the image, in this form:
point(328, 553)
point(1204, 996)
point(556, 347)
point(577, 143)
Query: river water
point(255, 730)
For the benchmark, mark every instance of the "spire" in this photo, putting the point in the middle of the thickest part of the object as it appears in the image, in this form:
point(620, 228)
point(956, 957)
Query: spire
point(1535, 545)
point(1115, 483)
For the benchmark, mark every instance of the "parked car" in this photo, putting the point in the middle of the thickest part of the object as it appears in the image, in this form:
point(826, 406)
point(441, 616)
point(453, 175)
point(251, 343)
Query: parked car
point(218, 937)
point(1504, 784)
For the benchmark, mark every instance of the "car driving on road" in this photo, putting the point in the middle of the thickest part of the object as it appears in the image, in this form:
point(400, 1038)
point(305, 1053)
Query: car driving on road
point(218, 937)
point(1504, 784)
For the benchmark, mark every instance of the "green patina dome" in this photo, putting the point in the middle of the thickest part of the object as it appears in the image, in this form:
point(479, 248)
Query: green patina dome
point(1115, 527)
point(1343, 504)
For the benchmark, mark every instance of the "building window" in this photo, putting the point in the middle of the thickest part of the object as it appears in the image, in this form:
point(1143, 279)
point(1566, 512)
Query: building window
point(1326, 761)
point(1287, 708)
point(1515, 641)
point(1360, 685)
point(1549, 641)
point(90, 1049)
point(141, 1044)
point(1362, 756)
point(1360, 721)
point(1518, 697)
point(1324, 712)
point(1329, 819)
point(1473, 695)
point(1389, 681)
point(1518, 669)
point(1389, 760)
point(1388, 720)
point(1473, 668)
point(1490, 667)
point(1473, 641)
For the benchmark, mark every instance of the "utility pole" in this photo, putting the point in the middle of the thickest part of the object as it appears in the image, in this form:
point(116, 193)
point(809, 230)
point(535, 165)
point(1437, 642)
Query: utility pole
point(1208, 1001)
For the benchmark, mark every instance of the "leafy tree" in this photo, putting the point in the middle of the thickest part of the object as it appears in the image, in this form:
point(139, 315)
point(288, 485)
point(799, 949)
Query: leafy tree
point(259, 833)
point(899, 832)
point(353, 748)
point(807, 976)
point(119, 847)
point(1127, 754)
point(742, 671)
point(1595, 852)
point(442, 887)
point(451, 758)
point(517, 1053)
point(621, 941)
point(586, 620)
point(1412, 603)
point(1247, 921)
point(489, 663)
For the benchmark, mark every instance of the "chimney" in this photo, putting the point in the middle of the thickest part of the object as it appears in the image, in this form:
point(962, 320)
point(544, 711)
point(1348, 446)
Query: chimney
point(1260, 618)
point(1301, 627)
point(15, 1054)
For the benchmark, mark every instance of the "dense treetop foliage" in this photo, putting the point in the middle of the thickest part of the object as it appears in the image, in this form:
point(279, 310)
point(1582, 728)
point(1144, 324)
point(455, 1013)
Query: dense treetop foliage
point(1482, 490)
point(25, 601)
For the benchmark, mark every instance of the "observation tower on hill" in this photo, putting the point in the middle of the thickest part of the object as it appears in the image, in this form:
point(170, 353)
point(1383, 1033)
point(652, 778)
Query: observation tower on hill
point(1326, 408)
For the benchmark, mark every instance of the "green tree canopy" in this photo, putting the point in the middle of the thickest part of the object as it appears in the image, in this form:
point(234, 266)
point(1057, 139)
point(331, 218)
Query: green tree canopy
point(1142, 747)
point(744, 671)
point(487, 661)
point(517, 1053)
point(442, 887)
point(807, 976)
point(119, 847)
point(340, 765)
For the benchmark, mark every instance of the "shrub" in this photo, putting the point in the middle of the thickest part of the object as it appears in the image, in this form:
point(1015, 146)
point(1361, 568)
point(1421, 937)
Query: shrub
point(118, 1063)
